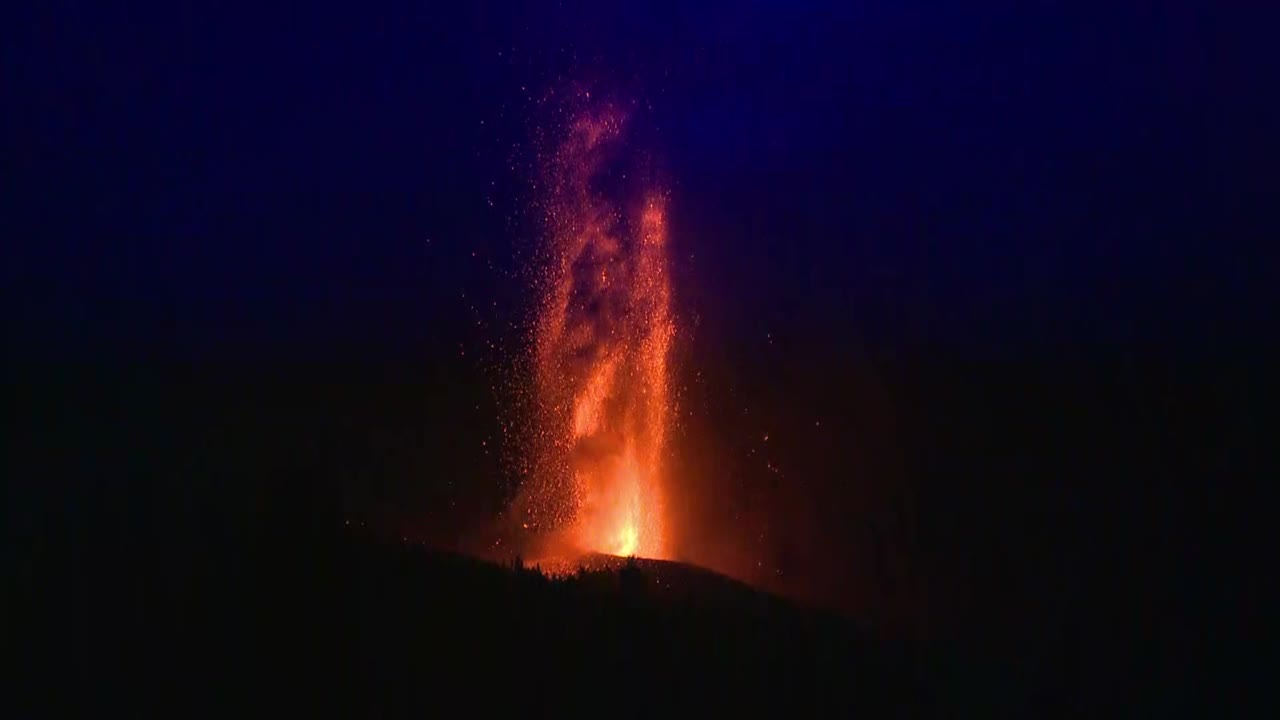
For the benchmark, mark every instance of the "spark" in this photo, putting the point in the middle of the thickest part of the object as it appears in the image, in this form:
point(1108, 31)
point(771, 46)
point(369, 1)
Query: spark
point(601, 343)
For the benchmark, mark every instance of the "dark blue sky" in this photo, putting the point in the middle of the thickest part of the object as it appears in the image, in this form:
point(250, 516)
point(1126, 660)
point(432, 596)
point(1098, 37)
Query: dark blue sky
point(186, 181)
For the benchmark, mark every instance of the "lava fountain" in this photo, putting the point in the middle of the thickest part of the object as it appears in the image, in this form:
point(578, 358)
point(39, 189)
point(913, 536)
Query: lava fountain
point(601, 344)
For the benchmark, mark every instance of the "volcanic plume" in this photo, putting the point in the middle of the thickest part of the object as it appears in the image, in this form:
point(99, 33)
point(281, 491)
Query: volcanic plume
point(601, 344)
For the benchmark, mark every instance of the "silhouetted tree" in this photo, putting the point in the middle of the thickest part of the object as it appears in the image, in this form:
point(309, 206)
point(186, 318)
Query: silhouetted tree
point(631, 578)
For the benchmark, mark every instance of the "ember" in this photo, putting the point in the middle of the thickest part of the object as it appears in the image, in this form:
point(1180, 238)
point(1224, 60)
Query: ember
point(601, 347)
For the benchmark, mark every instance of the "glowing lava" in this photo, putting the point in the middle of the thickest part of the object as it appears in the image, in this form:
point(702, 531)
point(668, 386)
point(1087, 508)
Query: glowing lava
point(603, 338)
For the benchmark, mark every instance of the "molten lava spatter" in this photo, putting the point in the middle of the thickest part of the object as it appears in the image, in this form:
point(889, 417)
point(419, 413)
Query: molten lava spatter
point(603, 339)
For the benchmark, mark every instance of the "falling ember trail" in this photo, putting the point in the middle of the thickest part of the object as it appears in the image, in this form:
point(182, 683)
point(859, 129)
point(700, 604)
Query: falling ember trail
point(603, 337)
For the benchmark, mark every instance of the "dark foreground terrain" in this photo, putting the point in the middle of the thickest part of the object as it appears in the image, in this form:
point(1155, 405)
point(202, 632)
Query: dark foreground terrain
point(363, 627)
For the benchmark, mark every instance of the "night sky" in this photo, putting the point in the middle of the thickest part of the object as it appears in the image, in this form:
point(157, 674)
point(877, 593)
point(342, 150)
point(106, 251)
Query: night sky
point(211, 180)
point(990, 277)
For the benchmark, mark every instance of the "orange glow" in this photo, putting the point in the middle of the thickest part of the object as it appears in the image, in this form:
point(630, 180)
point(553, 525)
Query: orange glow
point(601, 350)
point(589, 408)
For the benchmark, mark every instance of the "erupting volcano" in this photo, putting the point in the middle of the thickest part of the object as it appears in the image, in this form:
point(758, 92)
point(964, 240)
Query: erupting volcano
point(601, 344)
